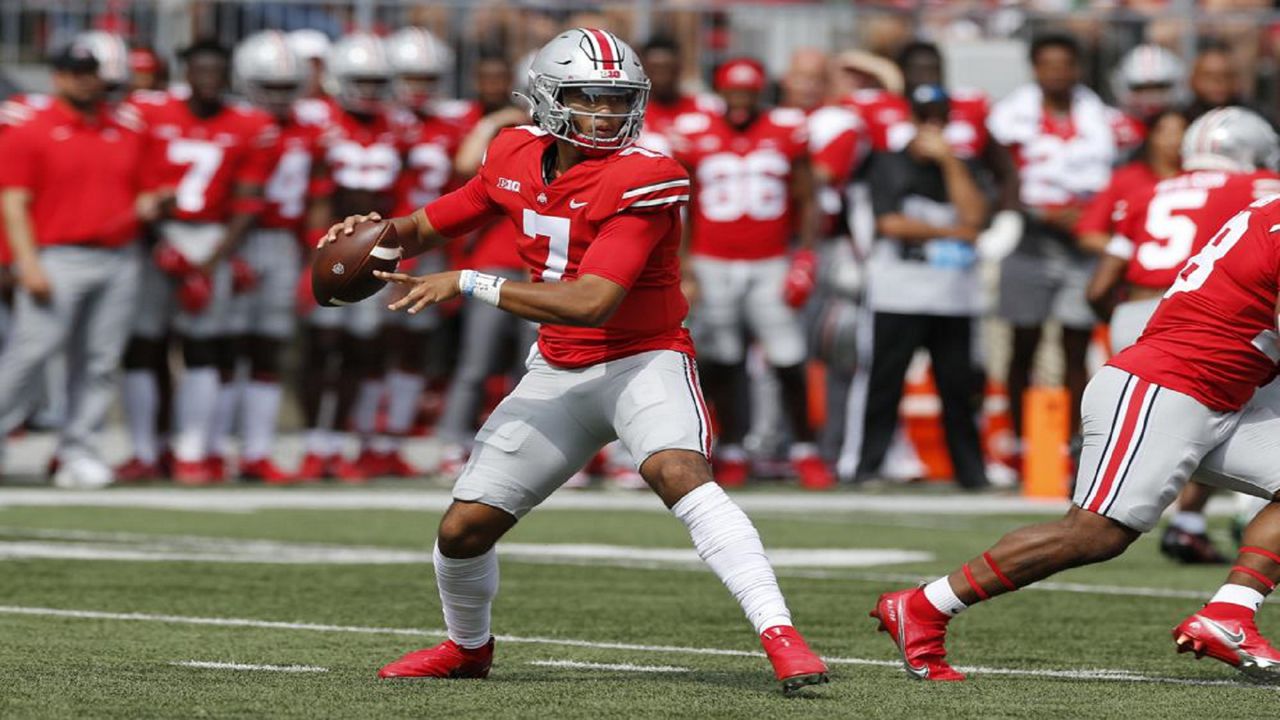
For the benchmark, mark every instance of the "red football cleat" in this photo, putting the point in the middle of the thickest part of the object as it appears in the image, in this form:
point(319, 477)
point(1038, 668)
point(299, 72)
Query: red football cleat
point(388, 464)
point(344, 470)
point(192, 473)
point(813, 473)
point(794, 664)
point(732, 473)
point(136, 470)
point(446, 660)
point(267, 472)
point(1232, 638)
point(217, 468)
point(313, 468)
point(919, 638)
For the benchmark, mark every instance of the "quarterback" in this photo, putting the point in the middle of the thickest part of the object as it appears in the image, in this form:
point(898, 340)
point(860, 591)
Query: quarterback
point(601, 227)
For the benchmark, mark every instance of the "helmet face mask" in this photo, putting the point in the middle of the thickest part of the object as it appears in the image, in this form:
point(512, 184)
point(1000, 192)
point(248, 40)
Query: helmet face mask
point(585, 79)
point(416, 92)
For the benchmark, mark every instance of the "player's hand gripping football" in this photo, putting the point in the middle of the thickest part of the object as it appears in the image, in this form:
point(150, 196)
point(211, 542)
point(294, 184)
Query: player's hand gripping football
point(346, 227)
point(424, 290)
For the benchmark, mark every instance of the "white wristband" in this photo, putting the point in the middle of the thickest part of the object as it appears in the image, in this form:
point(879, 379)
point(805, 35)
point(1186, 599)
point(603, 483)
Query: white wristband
point(483, 287)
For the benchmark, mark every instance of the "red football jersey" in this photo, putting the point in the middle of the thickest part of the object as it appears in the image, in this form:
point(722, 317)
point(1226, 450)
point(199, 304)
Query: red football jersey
point(290, 183)
point(742, 181)
point(888, 120)
point(204, 158)
point(1213, 337)
point(1129, 131)
point(364, 158)
point(1173, 220)
point(429, 146)
point(616, 216)
point(1107, 208)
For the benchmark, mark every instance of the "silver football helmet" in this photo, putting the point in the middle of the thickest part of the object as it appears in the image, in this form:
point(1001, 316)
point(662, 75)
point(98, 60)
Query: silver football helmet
point(309, 44)
point(595, 63)
point(112, 55)
point(1148, 79)
point(362, 71)
point(418, 60)
point(268, 72)
point(1231, 139)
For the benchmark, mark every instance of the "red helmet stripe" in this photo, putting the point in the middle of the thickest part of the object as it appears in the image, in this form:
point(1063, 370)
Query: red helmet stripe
point(608, 55)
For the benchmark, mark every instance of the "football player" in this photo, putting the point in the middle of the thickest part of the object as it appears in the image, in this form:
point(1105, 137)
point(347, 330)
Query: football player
point(601, 233)
point(1179, 399)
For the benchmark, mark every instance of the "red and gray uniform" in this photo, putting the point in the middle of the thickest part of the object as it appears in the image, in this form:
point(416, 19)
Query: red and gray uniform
point(743, 223)
point(1186, 395)
point(632, 378)
point(85, 230)
point(203, 160)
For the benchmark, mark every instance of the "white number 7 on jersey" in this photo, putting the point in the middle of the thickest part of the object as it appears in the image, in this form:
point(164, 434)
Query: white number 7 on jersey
point(556, 230)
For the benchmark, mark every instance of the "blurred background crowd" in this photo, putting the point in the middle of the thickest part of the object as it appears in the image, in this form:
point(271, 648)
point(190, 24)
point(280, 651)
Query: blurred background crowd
point(957, 160)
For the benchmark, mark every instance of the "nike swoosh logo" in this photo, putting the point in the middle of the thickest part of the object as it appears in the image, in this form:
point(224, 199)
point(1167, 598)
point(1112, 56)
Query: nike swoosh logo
point(922, 671)
point(574, 204)
point(1236, 637)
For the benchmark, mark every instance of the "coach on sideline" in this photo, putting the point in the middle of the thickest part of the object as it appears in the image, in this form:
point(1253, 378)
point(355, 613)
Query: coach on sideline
point(71, 196)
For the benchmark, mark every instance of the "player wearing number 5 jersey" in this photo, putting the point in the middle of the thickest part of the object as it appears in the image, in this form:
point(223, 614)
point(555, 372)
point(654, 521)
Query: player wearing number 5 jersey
point(601, 224)
point(215, 154)
point(1183, 398)
point(753, 191)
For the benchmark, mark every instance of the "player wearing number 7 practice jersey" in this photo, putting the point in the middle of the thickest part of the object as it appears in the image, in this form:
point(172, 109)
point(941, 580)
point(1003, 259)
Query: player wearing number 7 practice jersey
point(601, 223)
point(1181, 399)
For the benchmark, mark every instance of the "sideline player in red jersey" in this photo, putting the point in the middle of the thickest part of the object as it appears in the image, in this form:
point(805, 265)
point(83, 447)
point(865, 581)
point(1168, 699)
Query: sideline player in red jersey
point(363, 151)
point(1157, 230)
point(263, 316)
point(1177, 400)
point(753, 191)
point(602, 234)
point(212, 152)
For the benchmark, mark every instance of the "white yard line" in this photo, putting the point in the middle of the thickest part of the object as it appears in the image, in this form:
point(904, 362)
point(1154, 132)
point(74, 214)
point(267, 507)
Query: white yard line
point(210, 665)
point(623, 667)
point(1098, 674)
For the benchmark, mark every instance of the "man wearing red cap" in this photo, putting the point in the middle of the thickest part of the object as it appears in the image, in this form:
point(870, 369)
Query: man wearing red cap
point(754, 191)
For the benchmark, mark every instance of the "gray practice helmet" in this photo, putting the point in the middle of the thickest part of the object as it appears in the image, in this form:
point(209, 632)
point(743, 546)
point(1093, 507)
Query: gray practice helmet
point(1148, 79)
point(1232, 139)
point(355, 60)
point(587, 58)
point(267, 70)
point(110, 51)
point(417, 55)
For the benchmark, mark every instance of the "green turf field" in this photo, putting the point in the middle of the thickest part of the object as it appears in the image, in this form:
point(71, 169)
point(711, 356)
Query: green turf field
point(101, 607)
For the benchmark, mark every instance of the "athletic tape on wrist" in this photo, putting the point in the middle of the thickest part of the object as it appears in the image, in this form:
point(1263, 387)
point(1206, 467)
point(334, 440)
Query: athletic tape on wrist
point(1255, 575)
point(481, 286)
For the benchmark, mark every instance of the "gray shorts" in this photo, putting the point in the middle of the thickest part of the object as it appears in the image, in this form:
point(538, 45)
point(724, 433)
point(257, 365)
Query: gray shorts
point(1129, 320)
point(557, 418)
point(158, 308)
point(1037, 287)
point(1142, 442)
point(745, 294)
point(268, 308)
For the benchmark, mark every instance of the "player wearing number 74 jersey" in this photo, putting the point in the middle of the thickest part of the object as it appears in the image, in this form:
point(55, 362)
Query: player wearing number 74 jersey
point(601, 223)
point(1183, 398)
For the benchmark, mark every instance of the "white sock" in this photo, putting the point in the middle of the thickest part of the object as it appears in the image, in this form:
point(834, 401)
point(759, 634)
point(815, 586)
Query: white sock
point(196, 401)
point(318, 442)
point(364, 414)
point(1190, 522)
point(729, 544)
point(404, 390)
point(224, 417)
point(467, 588)
point(141, 408)
point(259, 414)
point(941, 596)
point(1241, 595)
point(803, 450)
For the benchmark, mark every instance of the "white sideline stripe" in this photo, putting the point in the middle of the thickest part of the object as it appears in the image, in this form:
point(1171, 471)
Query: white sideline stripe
point(624, 667)
point(1101, 674)
point(209, 665)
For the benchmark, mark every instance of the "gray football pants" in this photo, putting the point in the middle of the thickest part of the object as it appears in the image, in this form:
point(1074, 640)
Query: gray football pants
point(94, 291)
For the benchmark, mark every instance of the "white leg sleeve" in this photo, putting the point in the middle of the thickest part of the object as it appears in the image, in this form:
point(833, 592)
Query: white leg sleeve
point(467, 588)
point(729, 544)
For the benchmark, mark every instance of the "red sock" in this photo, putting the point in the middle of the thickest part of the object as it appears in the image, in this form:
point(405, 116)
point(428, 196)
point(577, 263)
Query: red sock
point(1228, 611)
point(920, 606)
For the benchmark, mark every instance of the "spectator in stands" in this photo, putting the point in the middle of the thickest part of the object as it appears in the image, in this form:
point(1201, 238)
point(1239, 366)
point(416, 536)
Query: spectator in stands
point(1215, 82)
point(923, 284)
point(1061, 136)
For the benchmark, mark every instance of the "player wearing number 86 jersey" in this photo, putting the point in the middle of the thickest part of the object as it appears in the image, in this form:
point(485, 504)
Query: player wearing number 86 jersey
point(601, 224)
